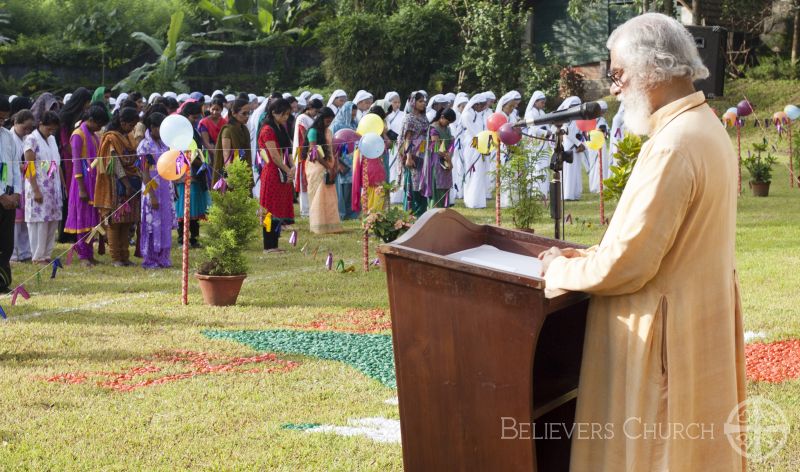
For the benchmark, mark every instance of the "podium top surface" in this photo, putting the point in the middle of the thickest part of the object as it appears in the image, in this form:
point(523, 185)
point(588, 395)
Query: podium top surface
point(445, 238)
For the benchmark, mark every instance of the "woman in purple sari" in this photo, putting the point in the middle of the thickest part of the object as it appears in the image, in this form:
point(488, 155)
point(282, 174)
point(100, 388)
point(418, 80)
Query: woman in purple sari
point(82, 216)
point(158, 213)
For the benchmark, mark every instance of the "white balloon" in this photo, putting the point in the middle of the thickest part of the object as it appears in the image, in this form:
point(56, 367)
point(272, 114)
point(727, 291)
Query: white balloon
point(371, 146)
point(177, 132)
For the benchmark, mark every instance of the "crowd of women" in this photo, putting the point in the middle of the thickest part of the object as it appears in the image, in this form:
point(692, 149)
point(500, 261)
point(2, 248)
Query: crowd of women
point(86, 161)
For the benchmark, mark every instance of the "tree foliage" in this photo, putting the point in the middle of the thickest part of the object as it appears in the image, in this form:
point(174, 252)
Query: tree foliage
point(173, 61)
point(410, 49)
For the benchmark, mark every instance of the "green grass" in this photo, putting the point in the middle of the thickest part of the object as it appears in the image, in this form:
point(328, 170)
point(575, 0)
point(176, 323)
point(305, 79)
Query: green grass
point(107, 319)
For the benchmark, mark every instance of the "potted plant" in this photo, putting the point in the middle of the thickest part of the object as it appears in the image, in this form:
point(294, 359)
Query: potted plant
point(760, 169)
point(521, 179)
point(390, 224)
point(232, 224)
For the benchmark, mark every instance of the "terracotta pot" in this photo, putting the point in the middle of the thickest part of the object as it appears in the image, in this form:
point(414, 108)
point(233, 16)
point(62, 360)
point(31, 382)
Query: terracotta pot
point(760, 189)
point(220, 290)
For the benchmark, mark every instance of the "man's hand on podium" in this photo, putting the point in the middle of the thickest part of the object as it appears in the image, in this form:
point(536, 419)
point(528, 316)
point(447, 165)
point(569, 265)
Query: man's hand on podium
point(547, 256)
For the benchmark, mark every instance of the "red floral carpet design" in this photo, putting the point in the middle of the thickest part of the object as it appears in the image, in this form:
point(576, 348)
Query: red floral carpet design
point(196, 364)
point(774, 362)
point(354, 321)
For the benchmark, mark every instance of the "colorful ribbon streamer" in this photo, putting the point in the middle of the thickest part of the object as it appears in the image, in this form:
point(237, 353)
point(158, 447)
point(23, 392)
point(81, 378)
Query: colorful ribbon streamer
point(30, 170)
point(221, 185)
point(3, 313)
point(56, 265)
point(19, 290)
point(293, 238)
point(329, 261)
point(69, 255)
point(268, 222)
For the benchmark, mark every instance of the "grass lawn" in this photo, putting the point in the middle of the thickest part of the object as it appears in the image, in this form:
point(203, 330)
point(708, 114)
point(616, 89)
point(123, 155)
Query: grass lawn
point(106, 334)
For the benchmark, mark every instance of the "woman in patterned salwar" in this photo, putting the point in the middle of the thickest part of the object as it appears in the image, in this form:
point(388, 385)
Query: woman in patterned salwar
point(116, 195)
point(437, 176)
point(82, 216)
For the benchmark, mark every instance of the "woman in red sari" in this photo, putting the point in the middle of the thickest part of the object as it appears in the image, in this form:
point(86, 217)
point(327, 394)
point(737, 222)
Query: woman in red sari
point(277, 175)
point(211, 125)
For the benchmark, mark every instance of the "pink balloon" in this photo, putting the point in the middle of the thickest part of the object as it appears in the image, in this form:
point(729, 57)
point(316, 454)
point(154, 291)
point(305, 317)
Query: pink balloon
point(346, 136)
point(497, 120)
point(586, 125)
point(509, 135)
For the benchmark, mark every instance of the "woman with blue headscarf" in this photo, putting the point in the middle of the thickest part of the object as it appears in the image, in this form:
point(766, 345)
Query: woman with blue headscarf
point(345, 119)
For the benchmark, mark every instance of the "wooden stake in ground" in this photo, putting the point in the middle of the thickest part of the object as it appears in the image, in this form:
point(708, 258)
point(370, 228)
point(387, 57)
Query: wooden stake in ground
point(187, 191)
point(497, 184)
point(365, 210)
point(791, 157)
point(602, 203)
point(739, 123)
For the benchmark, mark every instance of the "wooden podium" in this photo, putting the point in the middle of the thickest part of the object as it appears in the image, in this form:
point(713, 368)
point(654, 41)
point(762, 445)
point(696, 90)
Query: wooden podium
point(478, 350)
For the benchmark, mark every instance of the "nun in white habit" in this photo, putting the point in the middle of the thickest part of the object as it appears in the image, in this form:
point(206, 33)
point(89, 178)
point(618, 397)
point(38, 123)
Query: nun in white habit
point(336, 100)
point(457, 131)
point(572, 176)
point(394, 126)
point(476, 167)
point(363, 101)
point(593, 157)
point(252, 127)
point(507, 105)
point(542, 150)
point(617, 132)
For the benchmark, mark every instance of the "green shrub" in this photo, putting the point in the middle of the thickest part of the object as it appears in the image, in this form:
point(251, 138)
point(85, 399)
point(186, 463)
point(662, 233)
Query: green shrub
point(232, 225)
point(521, 180)
point(774, 68)
point(628, 149)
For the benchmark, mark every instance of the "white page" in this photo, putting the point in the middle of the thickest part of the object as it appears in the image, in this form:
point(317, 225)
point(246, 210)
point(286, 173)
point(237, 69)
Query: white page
point(493, 258)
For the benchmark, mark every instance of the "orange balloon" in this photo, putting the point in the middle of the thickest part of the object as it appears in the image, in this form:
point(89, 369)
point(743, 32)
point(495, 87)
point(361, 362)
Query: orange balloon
point(167, 165)
point(780, 117)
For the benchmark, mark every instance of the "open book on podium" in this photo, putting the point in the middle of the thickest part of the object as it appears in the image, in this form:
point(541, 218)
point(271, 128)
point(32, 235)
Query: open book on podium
point(487, 362)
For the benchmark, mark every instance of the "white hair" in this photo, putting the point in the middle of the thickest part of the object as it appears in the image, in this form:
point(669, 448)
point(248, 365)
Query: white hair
point(657, 48)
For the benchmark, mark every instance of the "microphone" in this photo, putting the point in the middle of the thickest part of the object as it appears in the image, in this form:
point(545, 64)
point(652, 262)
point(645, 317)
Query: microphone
point(585, 111)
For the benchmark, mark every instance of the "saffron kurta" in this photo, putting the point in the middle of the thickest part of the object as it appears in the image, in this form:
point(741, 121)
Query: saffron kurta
point(664, 341)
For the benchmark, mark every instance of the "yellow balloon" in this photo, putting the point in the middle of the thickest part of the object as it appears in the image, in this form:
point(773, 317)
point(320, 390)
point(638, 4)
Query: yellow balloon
point(193, 145)
point(484, 142)
point(596, 140)
point(370, 123)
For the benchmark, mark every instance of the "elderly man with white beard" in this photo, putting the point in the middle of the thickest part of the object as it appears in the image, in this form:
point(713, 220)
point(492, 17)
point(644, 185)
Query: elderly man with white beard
point(663, 362)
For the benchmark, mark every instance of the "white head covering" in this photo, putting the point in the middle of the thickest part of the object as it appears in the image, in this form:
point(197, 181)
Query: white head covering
point(470, 118)
point(430, 114)
point(301, 102)
point(463, 94)
point(529, 110)
point(252, 97)
point(316, 96)
point(121, 98)
point(183, 97)
point(206, 99)
point(230, 97)
point(569, 102)
point(260, 99)
point(391, 96)
point(459, 100)
point(217, 92)
point(304, 95)
point(423, 93)
point(12, 97)
point(66, 97)
point(489, 95)
point(287, 95)
point(510, 96)
point(336, 94)
point(153, 97)
point(451, 97)
point(112, 101)
point(171, 95)
point(603, 105)
point(362, 95)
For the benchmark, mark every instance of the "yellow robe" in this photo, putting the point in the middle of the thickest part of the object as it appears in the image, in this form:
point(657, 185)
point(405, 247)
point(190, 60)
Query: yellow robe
point(664, 345)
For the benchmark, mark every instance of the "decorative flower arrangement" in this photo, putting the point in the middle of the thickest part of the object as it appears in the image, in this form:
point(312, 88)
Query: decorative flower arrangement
point(390, 224)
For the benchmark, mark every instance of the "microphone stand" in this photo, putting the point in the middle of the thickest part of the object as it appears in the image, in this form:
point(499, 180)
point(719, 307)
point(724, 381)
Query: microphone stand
point(556, 189)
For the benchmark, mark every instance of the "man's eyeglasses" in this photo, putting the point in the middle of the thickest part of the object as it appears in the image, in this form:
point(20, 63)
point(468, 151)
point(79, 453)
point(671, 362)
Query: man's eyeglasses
point(616, 77)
